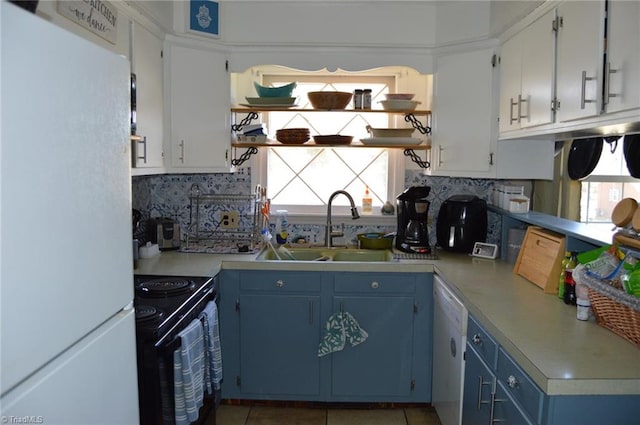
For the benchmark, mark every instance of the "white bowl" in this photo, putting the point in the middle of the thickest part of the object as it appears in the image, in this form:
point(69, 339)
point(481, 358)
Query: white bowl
point(399, 96)
point(399, 105)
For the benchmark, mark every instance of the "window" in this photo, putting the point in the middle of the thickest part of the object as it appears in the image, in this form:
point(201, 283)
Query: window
point(606, 186)
point(301, 180)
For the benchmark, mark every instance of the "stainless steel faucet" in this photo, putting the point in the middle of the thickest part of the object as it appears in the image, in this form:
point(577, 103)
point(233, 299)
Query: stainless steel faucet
point(329, 234)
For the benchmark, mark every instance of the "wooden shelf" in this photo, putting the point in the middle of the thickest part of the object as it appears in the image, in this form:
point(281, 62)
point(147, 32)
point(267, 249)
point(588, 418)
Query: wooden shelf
point(257, 108)
point(310, 144)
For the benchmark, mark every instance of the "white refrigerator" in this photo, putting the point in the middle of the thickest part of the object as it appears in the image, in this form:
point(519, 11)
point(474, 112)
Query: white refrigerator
point(67, 325)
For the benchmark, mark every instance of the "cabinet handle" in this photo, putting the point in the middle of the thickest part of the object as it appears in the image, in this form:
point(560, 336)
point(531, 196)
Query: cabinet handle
point(440, 155)
point(495, 400)
point(182, 151)
point(375, 285)
point(512, 382)
point(583, 90)
point(481, 383)
point(310, 312)
point(476, 339)
point(607, 82)
point(141, 141)
point(520, 102)
point(511, 105)
point(279, 283)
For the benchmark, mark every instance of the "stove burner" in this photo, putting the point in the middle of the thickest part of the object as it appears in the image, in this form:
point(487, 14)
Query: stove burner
point(165, 287)
point(148, 314)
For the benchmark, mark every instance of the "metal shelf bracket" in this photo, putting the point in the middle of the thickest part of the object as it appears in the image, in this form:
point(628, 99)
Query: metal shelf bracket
point(411, 118)
point(252, 150)
point(415, 158)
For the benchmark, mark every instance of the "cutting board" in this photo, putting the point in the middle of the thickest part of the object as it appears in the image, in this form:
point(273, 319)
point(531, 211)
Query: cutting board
point(540, 258)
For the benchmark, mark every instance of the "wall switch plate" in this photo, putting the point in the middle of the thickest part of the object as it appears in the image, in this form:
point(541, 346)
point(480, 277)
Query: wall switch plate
point(485, 250)
point(229, 220)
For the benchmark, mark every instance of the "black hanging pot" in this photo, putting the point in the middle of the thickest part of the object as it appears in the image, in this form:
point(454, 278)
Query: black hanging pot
point(631, 152)
point(583, 157)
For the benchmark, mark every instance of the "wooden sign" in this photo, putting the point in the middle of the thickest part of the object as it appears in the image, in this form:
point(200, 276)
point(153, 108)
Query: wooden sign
point(98, 16)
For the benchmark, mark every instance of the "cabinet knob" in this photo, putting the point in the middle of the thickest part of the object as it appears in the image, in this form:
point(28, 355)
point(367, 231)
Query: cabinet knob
point(279, 283)
point(476, 339)
point(375, 285)
point(512, 382)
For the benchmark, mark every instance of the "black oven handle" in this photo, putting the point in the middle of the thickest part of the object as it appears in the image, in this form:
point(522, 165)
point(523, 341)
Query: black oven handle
point(210, 296)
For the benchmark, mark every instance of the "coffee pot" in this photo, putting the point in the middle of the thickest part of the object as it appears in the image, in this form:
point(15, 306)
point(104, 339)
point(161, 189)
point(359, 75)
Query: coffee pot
point(413, 209)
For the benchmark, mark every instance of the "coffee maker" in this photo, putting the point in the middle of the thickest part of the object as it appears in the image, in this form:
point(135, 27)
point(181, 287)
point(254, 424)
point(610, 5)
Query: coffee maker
point(413, 208)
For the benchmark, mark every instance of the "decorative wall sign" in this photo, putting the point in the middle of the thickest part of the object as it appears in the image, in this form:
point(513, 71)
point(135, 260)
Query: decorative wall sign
point(98, 16)
point(203, 17)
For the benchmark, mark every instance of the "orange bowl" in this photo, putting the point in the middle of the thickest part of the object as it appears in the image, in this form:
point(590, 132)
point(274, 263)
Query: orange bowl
point(329, 99)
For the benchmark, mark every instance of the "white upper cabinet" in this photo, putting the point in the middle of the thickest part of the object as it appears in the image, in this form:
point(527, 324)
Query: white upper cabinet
point(464, 141)
point(527, 84)
point(147, 64)
point(579, 60)
point(622, 66)
point(463, 116)
point(199, 103)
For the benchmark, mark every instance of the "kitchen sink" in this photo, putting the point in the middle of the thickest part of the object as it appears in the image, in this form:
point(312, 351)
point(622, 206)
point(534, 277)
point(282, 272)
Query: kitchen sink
point(326, 254)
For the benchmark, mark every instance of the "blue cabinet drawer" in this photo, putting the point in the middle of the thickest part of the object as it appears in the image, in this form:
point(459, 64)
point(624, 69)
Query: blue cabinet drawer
point(484, 344)
point(518, 384)
point(375, 283)
point(282, 281)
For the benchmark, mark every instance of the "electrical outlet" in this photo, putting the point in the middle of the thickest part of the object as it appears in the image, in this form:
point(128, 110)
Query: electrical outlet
point(229, 220)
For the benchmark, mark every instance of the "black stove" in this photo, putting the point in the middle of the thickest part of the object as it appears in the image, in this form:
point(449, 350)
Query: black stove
point(160, 302)
point(164, 306)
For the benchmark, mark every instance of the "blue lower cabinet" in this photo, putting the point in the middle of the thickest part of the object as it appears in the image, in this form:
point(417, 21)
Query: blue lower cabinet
point(272, 324)
point(479, 389)
point(382, 366)
point(506, 410)
point(497, 390)
point(279, 340)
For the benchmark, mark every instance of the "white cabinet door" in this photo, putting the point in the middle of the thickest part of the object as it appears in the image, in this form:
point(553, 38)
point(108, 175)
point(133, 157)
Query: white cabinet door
point(538, 60)
point(527, 80)
point(510, 83)
point(199, 110)
point(464, 118)
point(580, 53)
point(622, 83)
point(146, 63)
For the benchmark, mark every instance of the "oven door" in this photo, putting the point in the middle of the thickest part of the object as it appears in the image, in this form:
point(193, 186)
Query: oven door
point(156, 373)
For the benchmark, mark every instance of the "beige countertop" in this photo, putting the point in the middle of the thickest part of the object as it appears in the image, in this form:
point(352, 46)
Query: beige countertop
point(560, 353)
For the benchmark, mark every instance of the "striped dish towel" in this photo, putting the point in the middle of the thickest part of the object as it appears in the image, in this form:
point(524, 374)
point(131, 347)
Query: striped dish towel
point(213, 353)
point(188, 368)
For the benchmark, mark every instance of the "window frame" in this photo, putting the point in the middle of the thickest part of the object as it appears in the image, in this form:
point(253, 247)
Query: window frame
point(396, 160)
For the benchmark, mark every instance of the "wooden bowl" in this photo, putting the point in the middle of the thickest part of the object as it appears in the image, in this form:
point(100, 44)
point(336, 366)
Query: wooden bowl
point(329, 99)
point(334, 139)
point(292, 136)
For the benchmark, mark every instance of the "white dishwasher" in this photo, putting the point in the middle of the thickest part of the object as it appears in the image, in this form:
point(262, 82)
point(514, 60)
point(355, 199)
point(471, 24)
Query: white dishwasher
point(449, 342)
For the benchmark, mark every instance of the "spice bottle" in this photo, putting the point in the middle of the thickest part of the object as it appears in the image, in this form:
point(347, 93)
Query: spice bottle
point(366, 99)
point(357, 99)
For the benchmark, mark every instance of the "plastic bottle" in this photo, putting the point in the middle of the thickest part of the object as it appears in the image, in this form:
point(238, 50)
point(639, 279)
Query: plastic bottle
point(565, 261)
point(569, 282)
point(282, 224)
point(367, 202)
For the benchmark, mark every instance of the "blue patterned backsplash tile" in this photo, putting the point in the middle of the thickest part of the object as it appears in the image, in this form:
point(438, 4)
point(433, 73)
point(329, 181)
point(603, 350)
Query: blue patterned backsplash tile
point(168, 196)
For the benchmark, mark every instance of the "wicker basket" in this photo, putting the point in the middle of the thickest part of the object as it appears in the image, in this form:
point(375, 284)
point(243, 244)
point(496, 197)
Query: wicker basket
point(613, 308)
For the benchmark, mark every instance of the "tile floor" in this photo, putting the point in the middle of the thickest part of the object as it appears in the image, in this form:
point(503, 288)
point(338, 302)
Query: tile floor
point(269, 415)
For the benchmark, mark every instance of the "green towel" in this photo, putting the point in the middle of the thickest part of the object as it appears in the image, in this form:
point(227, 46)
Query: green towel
point(340, 328)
